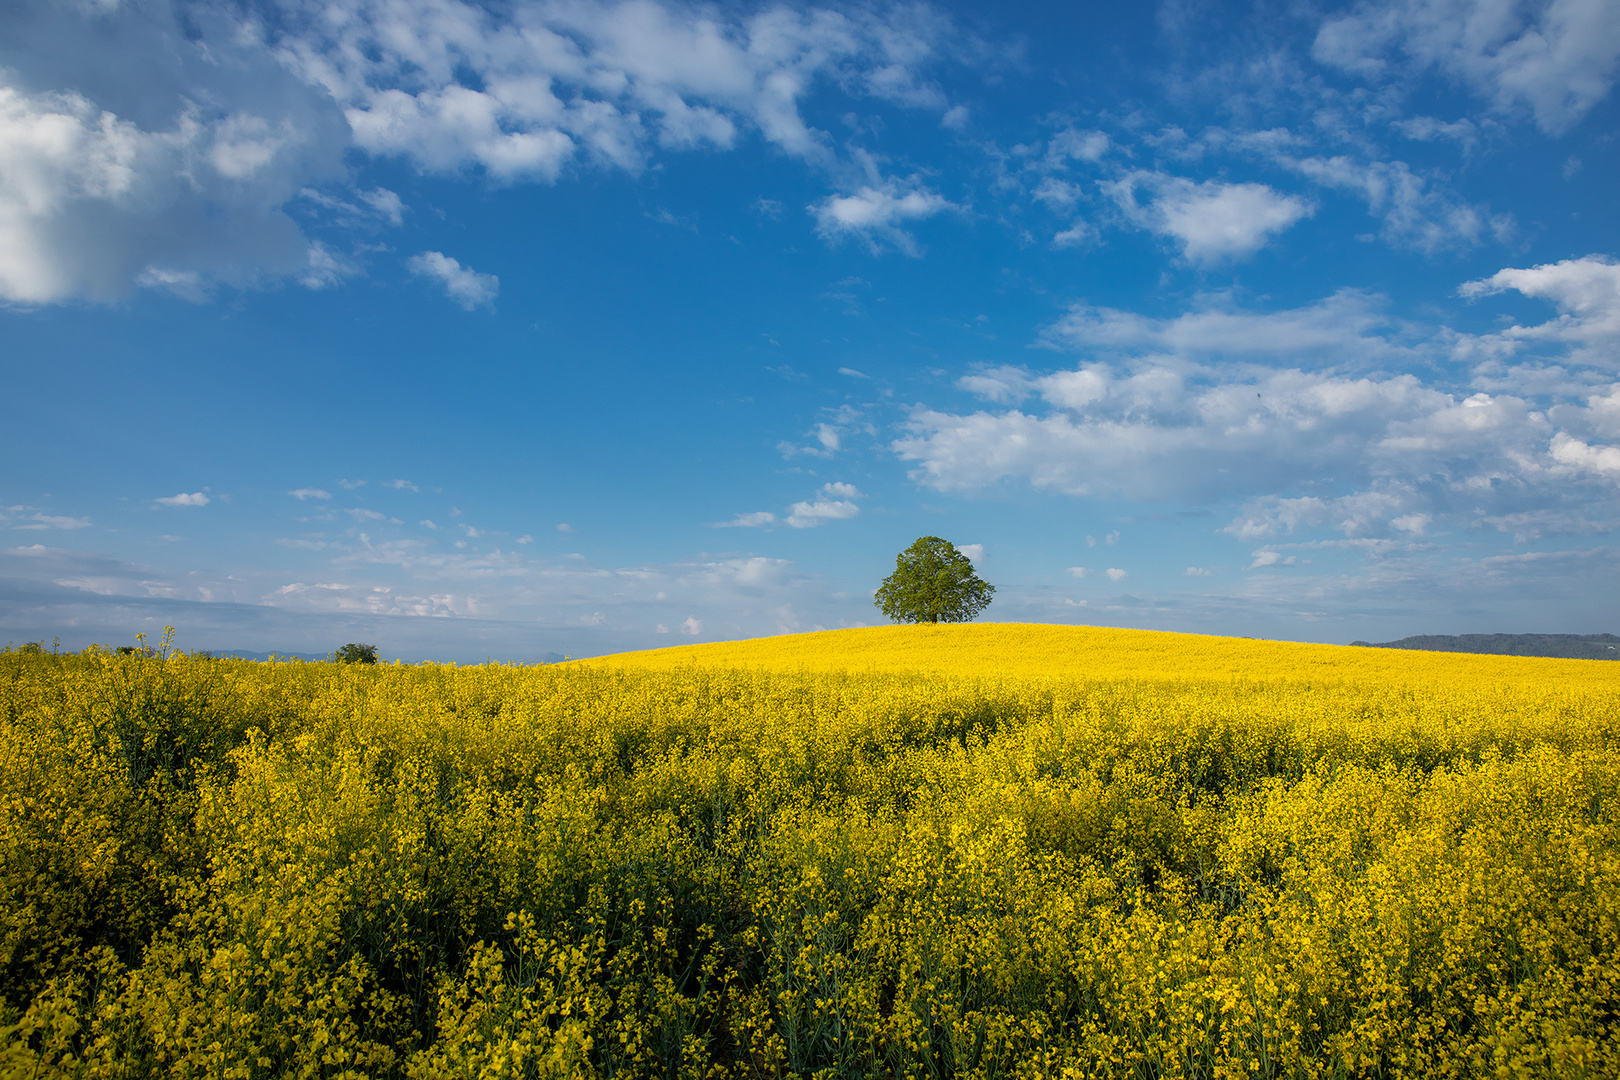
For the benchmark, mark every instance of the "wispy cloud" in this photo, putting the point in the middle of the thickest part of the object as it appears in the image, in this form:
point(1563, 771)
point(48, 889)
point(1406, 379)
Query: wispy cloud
point(33, 519)
point(462, 284)
point(1558, 59)
point(195, 498)
point(834, 502)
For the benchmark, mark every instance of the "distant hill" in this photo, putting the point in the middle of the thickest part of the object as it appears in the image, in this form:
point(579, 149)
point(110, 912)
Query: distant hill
point(1568, 646)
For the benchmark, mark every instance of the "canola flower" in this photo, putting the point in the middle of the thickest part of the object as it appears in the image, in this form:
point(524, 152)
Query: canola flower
point(975, 851)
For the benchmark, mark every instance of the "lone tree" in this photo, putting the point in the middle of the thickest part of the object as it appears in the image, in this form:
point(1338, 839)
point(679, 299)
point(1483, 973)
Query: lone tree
point(933, 582)
point(353, 653)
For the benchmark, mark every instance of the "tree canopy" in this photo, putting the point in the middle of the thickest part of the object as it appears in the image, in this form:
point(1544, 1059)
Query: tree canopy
point(355, 653)
point(933, 582)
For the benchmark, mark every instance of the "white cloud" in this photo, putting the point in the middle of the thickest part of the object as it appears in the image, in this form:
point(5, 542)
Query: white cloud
point(1347, 327)
point(1361, 514)
point(757, 519)
point(1559, 57)
point(1206, 413)
point(523, 90)
point(1197, 571)
point(1073, 143)
point(1212, 220)
point(974, 552)
point(875, 214)
point(92, 203)
point(834, 503)
point(303, 494)
point(195, 498)
point(1060, 195)
point(1586, 292)
point(160, 144)
point(829, 434)
point(462, 284)
point(566, 528)
point(1001, 384)
point(1078, 233)
point(402, 485)
point(1415, 212)
point(1116, 574)
point(37, 520)
point(1602, 460)
point(692, 626)
point(1079, 571)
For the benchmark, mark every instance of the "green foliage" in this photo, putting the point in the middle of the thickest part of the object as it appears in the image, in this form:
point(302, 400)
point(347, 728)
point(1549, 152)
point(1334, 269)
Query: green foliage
point(353, 653)
point(933, 582)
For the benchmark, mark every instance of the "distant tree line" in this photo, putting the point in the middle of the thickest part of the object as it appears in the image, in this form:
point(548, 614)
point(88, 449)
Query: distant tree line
point(1568, 646)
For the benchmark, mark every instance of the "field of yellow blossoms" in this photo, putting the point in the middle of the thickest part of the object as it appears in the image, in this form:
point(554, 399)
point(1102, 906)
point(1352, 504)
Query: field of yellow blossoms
point(969, 851)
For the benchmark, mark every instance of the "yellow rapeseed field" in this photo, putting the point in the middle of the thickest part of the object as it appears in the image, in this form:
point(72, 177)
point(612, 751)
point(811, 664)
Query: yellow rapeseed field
point(967, 851)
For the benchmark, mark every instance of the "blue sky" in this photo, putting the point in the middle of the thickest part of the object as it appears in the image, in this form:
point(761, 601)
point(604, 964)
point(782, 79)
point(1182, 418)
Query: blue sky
point(513, 328)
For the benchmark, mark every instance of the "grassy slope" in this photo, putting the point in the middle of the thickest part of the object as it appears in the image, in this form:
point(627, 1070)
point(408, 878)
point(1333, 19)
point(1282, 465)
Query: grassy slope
point(1028, 649)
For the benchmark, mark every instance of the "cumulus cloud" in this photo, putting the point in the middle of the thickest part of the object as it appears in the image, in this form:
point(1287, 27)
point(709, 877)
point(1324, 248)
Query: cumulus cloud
point(523, 90)
point(304, 494)
point(1558, 57)
point(156, 145)
point(1602, 460)
point(1157, 432)
point(835, 502)
point(876, 215)
point(92, 204)
point(160, 145)
point(1586, 292)
point(1116, 574)
point(462, 284)
point(1212, 220)
point(1213, 406)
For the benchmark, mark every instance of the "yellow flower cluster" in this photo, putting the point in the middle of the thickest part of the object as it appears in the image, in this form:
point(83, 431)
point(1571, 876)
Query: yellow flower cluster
point(967, 851)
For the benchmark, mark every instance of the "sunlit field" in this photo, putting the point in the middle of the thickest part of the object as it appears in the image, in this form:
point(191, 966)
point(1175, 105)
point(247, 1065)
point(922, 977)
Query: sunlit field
point(975, 850)
point(1023, 650)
